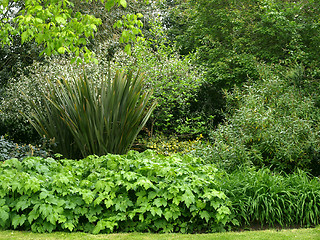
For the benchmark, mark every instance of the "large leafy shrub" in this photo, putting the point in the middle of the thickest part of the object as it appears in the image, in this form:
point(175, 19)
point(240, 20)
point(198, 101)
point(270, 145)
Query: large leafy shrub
point(270, 122)
point(137, 192)
point(85, 117)
point(174, 78)
point(231, 36)
point(265, 198)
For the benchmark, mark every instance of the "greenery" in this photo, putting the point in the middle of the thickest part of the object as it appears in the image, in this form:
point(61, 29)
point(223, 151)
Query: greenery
point(12, 123)
point(265, 198)
point(230, 37)
point(168, 146)
point(55, 25)
point(9, 149)
point(85, 117)
point(173, 77)
point(135, 192)
point(302, 234)
point(227, 104)
point(270, 122)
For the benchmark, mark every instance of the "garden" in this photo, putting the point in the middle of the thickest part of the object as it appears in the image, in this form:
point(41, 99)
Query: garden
point(159, 119)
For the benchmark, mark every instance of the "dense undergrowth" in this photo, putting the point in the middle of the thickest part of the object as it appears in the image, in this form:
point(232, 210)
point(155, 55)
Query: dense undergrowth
point(267, 198)
point(134, 192)
point(150, 192)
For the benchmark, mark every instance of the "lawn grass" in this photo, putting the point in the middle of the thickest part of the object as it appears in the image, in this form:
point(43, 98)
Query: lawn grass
point(290, 234)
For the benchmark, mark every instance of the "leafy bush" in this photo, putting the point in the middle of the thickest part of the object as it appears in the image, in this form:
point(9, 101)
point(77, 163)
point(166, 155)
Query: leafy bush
point(85, 117)
point(175, 80)
point(15, 125)
point(270, 199)
point(269, 123)
point(9, 149)
point(137, 192)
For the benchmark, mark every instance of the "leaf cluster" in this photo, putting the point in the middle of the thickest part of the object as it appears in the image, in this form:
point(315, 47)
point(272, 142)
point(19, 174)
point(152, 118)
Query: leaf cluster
point(134, 192)
point(60, 29)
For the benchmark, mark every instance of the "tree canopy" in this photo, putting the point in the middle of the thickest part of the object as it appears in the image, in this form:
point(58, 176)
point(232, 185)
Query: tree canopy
point(55, 25)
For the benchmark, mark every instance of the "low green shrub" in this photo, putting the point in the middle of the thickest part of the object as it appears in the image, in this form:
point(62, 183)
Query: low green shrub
point(169, 145)
point(112, 193)
point(265, 198)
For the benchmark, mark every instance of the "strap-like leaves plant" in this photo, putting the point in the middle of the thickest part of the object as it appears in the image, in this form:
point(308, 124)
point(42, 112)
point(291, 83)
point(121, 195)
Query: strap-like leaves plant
point(85, 117)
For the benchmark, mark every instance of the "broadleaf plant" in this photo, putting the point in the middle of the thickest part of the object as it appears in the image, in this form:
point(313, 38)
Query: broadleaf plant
point(137, 192)
point(85, 117)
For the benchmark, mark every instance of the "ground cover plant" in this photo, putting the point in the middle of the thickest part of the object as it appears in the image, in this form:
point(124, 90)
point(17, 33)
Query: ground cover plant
point(112, 193)
point(9, 149)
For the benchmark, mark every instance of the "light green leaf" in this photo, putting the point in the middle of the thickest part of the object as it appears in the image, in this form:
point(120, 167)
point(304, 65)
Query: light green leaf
point(18, 220)
point(4, 215)
point(188, 197)
point(127, 49)
point(61, 50)
point(22, 205)
point(60, 20)
point(33, 215)
point(206, 215)
point(160, 202)
point(224, 210)
point(123, 3)
point(168, 214)
point(24, 37)
point(5, 3)
point(68, 225)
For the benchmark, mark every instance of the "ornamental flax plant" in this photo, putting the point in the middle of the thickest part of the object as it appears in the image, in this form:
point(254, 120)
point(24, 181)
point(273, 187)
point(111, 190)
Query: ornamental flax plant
point(87, 117)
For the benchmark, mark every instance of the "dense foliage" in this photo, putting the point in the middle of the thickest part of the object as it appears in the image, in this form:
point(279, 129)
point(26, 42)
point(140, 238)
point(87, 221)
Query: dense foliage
point(232, 36)
point(150, 192)
point(173, 77)
point(237, 86)
point(33, 84)
point(9, 149)
point(270, 122)
point(264, 198)
point(136, 192)
point(58, 27)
